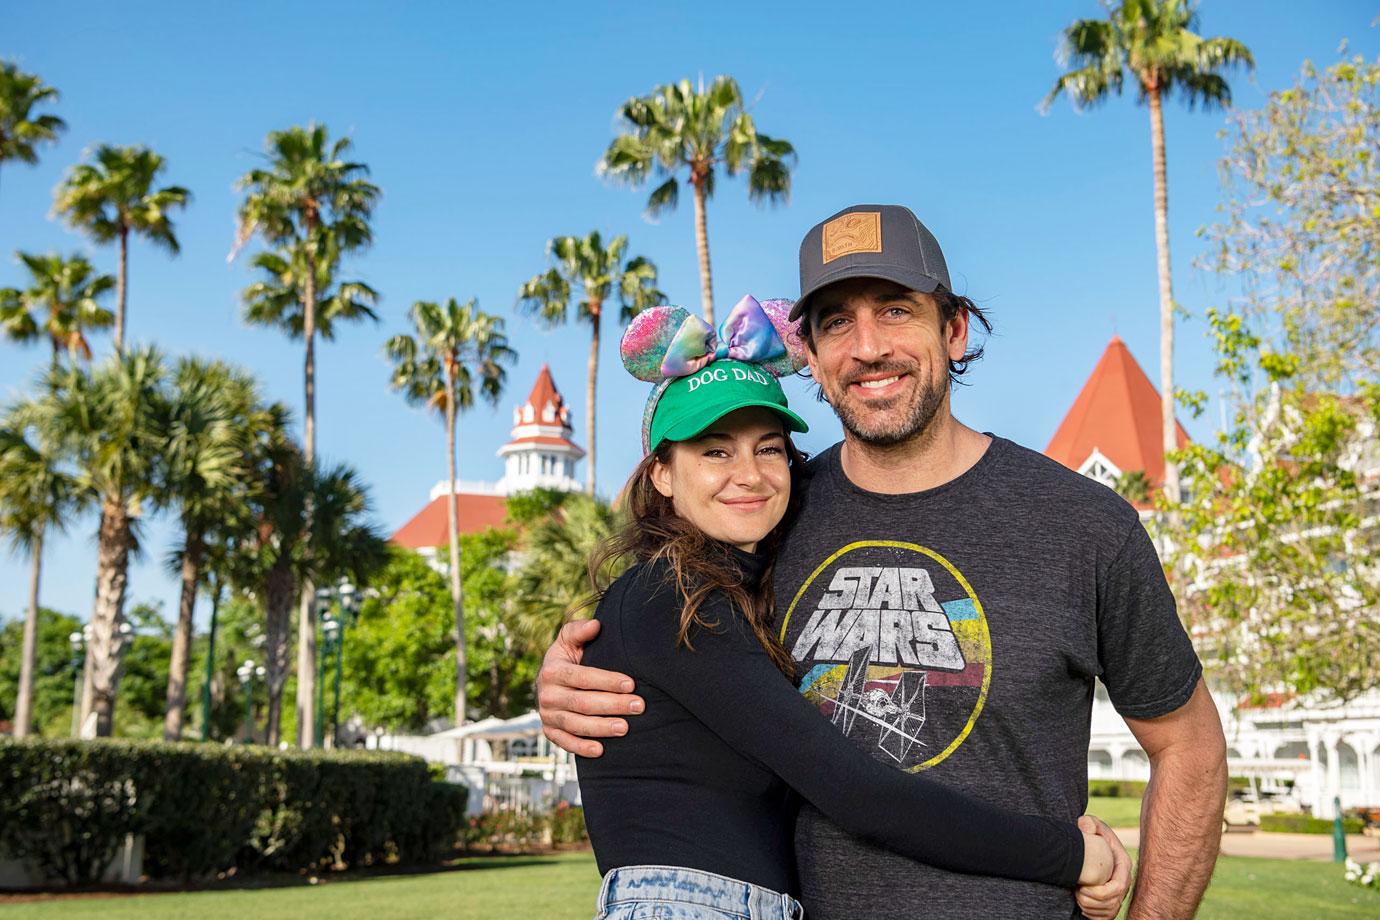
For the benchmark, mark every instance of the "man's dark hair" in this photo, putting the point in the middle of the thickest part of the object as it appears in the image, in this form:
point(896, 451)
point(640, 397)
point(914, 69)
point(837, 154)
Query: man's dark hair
point(949, 306)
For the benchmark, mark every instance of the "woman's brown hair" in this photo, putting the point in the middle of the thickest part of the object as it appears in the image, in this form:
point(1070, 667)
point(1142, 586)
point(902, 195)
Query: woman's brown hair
point(652, 530)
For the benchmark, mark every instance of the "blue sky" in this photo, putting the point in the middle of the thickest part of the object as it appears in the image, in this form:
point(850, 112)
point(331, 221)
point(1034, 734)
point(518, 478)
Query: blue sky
point(482, 124)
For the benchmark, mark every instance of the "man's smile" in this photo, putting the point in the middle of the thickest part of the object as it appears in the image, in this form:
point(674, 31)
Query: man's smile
point(877, 385)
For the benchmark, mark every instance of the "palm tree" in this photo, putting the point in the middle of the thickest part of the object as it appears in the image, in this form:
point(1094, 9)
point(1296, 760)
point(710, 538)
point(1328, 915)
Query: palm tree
point(62, 302)
point(276, 299)
point(682, 126)
point(308, 199)
point(213, 416)
point(553, 583)
point(20, 128)
point(261, 561)
point(111, 420)
point(1155, 42)
point(37, 494)
point(457, 351)
point(586, 267)
point(114, 196)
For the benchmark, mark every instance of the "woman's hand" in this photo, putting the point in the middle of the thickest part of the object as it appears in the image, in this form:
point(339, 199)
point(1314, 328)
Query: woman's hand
point(1104, 857)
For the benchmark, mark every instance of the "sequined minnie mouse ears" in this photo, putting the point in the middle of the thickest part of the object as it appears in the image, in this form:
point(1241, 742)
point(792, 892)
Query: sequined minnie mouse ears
point(668, 342)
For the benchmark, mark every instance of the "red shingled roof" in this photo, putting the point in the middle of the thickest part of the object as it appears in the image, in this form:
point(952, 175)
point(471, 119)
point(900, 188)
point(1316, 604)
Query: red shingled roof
point(1118, 414)
point(474, 513)
point(543, 392)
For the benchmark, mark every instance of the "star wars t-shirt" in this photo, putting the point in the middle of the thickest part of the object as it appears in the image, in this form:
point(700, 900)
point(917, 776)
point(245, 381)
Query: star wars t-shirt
point(958, 631)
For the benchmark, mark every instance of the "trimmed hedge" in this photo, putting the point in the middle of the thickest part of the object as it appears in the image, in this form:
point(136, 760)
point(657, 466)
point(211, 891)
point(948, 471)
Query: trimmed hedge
point(1117, 788)
point(1285, 823)
point(67, 805)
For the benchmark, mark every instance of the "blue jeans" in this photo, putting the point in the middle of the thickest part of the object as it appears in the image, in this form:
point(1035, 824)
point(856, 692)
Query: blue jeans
point(672, 893)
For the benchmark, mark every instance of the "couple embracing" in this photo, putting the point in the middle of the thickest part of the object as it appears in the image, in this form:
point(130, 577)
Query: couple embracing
point(860, 686)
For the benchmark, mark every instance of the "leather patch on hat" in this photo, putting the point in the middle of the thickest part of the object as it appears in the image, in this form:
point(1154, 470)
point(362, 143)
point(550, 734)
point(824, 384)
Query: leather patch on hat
point(860, 231)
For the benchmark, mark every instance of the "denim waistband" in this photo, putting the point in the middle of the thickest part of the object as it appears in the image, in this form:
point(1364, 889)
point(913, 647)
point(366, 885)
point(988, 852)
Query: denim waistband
point(677, 885)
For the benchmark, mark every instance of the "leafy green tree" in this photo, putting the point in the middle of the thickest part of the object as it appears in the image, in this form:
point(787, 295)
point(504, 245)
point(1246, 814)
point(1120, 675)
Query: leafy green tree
point(37, 495)
point(61, 302)
point(1156, 43)
point(398, 665)
point(457, 354)
point(691, 128)
point(398, 670)
point(1274, 552)
point(55, 671)
point(114, 196)
point(553, 579)
point(214, 418)
point(502, 666)
point(309, 203)
point(582, 268)
point(21, 129)
point(1300, 228)
point(1134, 486)
point(110, 420)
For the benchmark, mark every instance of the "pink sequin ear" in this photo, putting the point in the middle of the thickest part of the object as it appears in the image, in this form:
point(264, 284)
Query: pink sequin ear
point(779, 312)
point(647, 338)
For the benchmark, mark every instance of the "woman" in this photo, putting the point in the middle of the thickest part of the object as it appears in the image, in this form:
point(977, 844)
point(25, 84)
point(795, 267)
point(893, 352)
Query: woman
point(691, 813)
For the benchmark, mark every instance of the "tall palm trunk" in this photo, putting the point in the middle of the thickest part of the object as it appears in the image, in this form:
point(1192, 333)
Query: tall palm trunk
point(702, 245)
point(121, 280)
point(279, 593)
point(596, 309)
point(23, 710)
point(112, 576)
point(1171, 442)
point(182, 638)
point(457, 586)
point(306, 619)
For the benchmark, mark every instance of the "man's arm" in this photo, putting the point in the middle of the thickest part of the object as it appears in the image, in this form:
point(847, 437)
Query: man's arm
point(1181, 816)
point(576, 702)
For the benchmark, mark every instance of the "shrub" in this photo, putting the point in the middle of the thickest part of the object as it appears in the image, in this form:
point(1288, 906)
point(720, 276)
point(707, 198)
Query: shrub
point(66, 806)
point(1117, 788)
point(1283, 823)
point(567, 824)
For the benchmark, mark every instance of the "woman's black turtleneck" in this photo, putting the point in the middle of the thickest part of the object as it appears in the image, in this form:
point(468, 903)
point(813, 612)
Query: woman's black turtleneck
point(703, 778)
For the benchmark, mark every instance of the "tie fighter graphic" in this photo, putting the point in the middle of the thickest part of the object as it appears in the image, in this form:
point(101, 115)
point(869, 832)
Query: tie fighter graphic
point(900, 715)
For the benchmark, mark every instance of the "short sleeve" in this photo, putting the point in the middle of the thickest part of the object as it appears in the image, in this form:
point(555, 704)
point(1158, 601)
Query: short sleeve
point(1146, 658)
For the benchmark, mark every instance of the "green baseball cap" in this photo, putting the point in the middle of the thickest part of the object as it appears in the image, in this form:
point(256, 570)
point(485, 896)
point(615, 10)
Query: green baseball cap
point(683, 408)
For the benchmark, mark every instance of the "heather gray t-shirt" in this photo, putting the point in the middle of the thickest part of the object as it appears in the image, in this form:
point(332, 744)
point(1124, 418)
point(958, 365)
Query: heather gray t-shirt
point(959, 631)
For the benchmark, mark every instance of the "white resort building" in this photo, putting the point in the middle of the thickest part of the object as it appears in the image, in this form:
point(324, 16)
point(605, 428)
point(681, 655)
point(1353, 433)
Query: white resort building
point(1328, 752)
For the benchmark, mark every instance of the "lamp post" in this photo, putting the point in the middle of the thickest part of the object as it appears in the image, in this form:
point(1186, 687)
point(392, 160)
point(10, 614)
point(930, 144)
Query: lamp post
point(337, 608)
point(210, 662)
point(349, 607)
point(329, 627)
point(246, 673)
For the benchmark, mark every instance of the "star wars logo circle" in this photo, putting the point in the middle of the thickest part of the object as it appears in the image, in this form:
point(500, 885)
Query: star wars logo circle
point(892, 645)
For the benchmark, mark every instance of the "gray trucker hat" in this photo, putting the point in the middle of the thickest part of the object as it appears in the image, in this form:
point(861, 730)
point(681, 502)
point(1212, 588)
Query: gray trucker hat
point(870, 241)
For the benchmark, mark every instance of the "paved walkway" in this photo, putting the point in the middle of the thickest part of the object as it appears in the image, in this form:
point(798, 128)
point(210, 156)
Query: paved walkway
point(1316, 847)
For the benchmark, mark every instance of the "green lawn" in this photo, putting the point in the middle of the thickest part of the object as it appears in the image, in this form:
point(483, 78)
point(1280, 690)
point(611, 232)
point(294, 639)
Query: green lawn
point(1116, 812)
point(564, 887)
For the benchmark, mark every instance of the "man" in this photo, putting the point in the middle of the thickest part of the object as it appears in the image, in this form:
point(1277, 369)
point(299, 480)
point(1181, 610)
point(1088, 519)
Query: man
point(950, 598)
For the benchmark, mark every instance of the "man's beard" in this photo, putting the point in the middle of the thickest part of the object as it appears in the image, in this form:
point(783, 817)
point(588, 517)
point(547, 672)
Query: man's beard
point(866, 424)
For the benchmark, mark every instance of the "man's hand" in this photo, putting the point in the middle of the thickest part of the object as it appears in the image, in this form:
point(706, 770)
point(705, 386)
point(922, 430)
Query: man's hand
point(1181, 814)
point(1103, 902)
point(571, 697)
